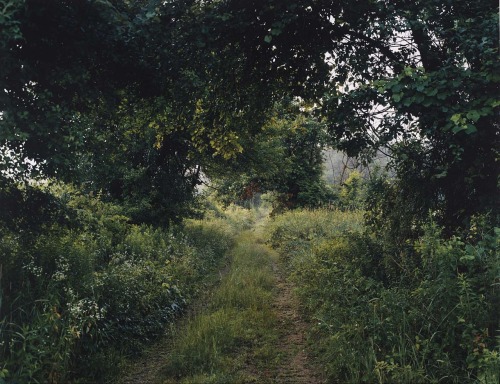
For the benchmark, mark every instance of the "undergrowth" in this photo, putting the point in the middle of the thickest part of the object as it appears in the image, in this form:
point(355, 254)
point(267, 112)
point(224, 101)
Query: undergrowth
point(426, 312)
point(82, 288)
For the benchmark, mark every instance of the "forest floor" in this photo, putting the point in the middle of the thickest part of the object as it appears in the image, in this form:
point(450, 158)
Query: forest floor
point(246, 329)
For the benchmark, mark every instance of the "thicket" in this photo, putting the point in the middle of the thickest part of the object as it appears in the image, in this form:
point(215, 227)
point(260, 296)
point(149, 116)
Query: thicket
point(81, 287)
point(416, 305)
point(142, 100)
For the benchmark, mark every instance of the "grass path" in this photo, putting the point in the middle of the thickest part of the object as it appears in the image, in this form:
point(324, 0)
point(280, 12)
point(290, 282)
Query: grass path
point(295, 366)
point(246, 330)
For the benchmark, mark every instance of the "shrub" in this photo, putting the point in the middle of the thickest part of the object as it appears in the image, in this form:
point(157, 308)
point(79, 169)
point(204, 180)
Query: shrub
point(96, 288)
point(433, 318)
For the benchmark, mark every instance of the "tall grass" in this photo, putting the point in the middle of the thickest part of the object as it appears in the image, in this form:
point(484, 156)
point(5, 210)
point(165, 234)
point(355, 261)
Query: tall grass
point(376, 320)
point(296, 233)
point(314, 224)
point(236, 325)
point(77, 297)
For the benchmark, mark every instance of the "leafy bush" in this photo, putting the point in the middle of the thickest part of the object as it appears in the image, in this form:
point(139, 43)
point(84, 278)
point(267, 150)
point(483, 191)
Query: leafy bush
point(377, 322)
point(95, 288)
point(311, 225)
point(352, 193)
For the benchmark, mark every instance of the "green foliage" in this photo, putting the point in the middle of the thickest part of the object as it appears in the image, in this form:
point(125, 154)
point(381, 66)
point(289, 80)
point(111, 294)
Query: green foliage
point(439, 98)
point(93, 286)
point(413, 73)
point(284, 159)
point(120, 97)
point(309, 225)
point(352, 193)
point(393, 213)
point(131, 100)
point(377, 320)
point(150, 169)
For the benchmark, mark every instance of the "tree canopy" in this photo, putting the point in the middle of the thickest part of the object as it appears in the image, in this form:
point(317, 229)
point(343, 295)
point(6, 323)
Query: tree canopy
point(419, 77)
point(134, 98)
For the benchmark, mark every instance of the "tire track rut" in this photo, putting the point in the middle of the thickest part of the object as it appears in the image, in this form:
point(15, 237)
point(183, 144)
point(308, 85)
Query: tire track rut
point(295, 366)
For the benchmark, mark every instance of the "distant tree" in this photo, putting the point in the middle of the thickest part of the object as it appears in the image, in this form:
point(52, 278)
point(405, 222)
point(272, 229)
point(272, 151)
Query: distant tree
point(286, 158)
point(419, 76)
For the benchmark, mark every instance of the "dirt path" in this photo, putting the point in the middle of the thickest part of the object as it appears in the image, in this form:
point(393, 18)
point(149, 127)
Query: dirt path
point(294, 367)
point(148, 369)
point(287, 362)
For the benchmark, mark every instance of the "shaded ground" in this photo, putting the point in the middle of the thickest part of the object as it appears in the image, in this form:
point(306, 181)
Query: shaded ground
point(148, 369)
point(295, 366)
point(285, 361)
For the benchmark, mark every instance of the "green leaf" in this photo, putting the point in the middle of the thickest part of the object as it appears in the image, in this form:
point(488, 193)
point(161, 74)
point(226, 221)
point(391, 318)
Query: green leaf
point(441, 174)
point(397, 97)
point(458, 128)
point(408, 71)
point(268, 38)
point(470, 128)
point(442, 95)
point(396, 87)
point(456, 118)
point(467, 258)
point(432, 92)
point(473, 115)
point(408, 101)
point(427, 102)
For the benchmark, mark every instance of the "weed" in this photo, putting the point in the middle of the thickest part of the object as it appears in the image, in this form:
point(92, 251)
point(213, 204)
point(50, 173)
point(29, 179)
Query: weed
point(215, 345)
point(75, 299)
point(421, 313)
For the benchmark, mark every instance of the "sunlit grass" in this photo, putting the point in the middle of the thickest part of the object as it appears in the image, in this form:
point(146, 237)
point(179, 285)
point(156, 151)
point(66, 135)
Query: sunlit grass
point(294, 234)
point(313, 224)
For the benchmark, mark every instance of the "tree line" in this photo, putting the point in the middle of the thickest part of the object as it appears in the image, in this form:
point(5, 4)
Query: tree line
point(137, 99)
